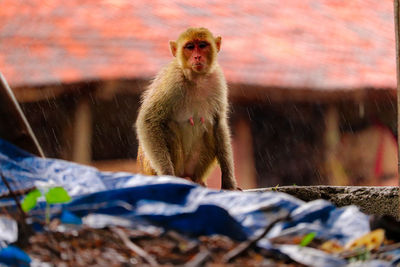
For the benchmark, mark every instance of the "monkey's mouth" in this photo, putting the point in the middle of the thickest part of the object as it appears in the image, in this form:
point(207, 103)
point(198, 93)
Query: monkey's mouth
point(198, 66)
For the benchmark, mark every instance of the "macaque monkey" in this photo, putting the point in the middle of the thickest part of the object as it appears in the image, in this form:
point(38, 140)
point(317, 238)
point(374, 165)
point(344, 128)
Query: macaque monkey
point(182, 124)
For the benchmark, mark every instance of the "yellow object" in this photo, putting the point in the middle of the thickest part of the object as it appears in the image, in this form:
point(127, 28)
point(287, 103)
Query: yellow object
point(370, 241)
point(331, 246)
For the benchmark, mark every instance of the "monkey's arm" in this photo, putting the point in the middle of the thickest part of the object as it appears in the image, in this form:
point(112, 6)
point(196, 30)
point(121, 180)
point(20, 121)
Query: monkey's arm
point(151, 128)
point(224, 153)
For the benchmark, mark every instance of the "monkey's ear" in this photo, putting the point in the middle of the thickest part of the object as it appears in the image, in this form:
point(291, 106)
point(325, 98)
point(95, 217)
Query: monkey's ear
point(218, 43)
point(173, 48)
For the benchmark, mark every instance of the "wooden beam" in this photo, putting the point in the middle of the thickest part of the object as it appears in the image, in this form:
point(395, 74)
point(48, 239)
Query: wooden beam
point(34, 94)
point(117, 165)
point(250, 94)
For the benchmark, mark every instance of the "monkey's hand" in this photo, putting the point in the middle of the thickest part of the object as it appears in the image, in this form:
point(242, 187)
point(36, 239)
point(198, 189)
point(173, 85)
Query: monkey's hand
point(228, 183)
point(231, 188)
point(158, 156)
point(237, 188)
point(202, 183)
point(163, 164)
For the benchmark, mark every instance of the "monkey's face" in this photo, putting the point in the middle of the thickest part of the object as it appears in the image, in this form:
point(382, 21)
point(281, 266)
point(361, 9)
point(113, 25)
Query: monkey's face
point(198, 55)
point(196, 49)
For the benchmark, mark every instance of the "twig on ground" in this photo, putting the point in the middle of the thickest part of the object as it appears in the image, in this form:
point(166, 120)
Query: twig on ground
point(135, 248)
point(13, 195)
point(242, 247)
point(199, 259)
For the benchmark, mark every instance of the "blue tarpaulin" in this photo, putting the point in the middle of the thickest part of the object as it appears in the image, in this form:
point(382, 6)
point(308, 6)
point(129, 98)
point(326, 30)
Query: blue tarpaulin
point(175, 203)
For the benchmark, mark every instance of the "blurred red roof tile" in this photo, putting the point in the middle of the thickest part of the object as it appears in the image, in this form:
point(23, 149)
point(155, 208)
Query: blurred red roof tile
point(319, 44)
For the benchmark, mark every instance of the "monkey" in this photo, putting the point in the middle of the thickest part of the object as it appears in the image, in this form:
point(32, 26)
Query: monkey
point(182, 123)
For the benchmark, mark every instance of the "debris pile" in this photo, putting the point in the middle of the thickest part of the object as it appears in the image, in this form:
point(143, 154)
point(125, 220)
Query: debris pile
point(66, 245)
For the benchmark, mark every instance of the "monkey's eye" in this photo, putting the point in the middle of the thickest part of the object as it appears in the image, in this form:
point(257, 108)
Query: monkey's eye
point(203, 44)
point(189, 46)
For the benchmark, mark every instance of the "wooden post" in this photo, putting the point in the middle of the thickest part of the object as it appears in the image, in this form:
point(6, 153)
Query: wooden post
point(82, 132)
point(397, 34)
point(333, 168)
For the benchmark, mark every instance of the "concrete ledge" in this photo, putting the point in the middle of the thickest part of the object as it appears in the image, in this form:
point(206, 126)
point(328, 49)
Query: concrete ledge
point(379, 200)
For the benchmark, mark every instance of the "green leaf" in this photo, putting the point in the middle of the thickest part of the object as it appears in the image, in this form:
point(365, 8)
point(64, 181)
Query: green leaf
point(275, 188)
point(30, 200)
point(57, 195)
point(307, 239)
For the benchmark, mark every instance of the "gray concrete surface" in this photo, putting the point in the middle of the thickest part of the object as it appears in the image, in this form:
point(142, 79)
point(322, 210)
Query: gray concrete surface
point(379, 200)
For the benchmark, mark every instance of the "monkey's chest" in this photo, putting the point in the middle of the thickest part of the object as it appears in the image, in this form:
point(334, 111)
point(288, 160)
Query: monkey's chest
point(193, 123)
point(192, 130)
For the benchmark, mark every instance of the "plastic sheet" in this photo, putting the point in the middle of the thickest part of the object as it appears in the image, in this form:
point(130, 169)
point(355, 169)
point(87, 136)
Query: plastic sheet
point(13, 256)
point(8, 230)
point(175, 203)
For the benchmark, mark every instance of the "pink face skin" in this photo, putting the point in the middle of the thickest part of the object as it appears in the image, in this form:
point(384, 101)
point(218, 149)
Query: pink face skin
point(198, 54)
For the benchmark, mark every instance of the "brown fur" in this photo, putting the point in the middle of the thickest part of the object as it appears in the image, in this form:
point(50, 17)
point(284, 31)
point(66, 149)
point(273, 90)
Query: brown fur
point(169, 142)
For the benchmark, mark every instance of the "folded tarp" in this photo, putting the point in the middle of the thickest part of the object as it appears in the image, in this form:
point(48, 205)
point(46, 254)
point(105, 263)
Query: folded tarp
point(175, 203)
